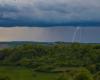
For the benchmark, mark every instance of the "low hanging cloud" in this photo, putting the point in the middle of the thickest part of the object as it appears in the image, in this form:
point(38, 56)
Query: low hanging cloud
point(49, 13)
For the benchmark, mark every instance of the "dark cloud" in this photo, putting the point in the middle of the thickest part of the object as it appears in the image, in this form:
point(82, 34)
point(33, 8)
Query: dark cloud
point(8, 8)
point(49, 13)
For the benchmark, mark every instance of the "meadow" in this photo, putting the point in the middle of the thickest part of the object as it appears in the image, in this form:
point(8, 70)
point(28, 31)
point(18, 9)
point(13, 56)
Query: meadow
point(22, 73)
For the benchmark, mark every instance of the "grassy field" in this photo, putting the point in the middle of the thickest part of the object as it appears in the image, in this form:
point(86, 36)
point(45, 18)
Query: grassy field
point(17, 73)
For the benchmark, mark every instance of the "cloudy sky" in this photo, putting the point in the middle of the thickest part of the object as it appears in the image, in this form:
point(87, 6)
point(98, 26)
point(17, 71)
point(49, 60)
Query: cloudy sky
point(49, 20)
point(49, 12)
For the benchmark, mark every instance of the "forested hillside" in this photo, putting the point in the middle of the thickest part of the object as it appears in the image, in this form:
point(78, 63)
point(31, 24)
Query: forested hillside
point(70, 61)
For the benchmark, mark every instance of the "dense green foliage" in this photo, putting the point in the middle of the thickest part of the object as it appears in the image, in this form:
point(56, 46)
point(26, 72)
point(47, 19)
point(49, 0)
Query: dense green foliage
point(60, 58)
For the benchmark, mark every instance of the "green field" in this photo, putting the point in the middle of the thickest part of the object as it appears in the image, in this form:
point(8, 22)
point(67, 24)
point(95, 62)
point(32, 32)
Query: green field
point(22, 73)
point(17, 73)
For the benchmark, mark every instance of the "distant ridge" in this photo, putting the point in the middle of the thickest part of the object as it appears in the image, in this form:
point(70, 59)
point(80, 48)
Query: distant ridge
point(17, 43)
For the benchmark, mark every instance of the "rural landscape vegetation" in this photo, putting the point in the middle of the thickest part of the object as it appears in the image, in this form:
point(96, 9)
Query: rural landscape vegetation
point(49, 39)
point(50, 61)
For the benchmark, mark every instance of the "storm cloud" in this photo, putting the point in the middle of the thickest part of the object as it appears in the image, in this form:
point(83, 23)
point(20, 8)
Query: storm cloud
point(49, 13)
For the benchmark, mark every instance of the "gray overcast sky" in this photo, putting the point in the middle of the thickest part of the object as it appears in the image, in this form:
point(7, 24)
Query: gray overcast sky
point(41, 16)
point(49, 12)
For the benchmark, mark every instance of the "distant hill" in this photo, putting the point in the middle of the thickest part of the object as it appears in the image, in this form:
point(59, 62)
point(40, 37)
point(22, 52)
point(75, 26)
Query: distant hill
point(17, 43)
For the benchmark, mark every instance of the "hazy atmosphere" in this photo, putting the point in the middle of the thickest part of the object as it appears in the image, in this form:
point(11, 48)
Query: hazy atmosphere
point(50, 34)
